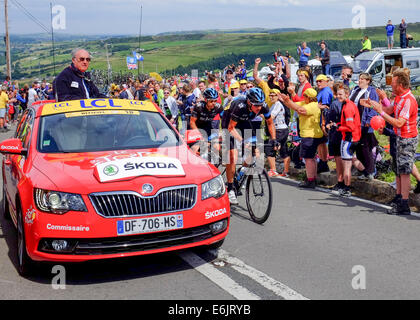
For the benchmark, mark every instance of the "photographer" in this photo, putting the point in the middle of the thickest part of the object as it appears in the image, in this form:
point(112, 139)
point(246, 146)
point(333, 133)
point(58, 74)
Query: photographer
point(346, 75)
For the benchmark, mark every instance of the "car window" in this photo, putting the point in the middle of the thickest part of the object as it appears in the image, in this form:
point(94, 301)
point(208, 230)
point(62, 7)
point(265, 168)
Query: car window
point(99, 131)
point(376, 68)
point(413, 64)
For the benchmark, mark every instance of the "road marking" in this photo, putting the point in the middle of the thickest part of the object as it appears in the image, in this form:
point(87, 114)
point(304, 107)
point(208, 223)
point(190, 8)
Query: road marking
point(269, 283)
point(218, 277)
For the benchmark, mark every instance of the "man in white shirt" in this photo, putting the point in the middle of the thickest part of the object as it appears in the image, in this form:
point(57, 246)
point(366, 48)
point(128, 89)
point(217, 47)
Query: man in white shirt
point(32, 95)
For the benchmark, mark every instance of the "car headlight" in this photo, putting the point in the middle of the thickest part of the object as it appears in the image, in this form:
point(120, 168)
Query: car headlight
point(215, 188)
point(58, 202)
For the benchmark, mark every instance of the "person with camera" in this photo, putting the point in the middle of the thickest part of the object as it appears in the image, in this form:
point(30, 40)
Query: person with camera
point(304, 53)
point(346, 75)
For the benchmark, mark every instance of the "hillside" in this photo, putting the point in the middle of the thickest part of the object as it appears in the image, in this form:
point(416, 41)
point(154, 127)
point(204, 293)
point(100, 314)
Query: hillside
point(179, 53)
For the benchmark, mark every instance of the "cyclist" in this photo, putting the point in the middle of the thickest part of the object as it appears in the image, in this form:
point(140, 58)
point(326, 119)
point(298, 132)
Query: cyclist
point(204, 112)
point(235, 121)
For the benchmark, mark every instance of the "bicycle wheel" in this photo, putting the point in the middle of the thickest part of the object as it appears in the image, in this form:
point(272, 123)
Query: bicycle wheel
point(259, 196)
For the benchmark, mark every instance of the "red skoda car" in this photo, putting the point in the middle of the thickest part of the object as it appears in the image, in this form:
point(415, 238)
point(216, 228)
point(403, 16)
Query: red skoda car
point(102, 178)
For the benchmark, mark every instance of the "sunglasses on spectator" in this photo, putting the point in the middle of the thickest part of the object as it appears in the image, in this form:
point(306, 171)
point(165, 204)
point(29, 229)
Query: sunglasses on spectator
point(167, 92)
point(83, 59)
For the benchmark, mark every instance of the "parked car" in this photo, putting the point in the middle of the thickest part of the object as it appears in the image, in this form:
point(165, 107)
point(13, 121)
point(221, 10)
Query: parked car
point(107, 178)
point(380, 61)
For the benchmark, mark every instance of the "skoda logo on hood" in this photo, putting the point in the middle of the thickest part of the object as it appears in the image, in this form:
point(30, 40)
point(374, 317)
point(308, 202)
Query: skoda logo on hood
point(147, 188)
point(111, 170)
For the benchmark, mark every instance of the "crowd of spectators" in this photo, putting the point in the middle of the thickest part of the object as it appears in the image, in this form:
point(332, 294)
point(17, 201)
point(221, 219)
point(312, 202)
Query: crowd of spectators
point(327, 119)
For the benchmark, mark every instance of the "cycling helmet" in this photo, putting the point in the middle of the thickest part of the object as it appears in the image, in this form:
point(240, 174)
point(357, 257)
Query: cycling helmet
point(256, 96)
point(211, 94)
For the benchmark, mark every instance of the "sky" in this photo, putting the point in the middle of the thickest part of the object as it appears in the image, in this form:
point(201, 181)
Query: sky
point(123, 16)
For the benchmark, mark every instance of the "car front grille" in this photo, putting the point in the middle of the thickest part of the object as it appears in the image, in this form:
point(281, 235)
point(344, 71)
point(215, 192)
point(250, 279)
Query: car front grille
point(130, 204)
point(135, 243)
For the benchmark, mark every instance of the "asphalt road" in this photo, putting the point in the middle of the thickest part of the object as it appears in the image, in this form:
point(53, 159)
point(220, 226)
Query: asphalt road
point(315, 245)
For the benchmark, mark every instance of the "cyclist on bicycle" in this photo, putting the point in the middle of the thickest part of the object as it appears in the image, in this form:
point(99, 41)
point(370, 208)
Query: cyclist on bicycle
point(204, 112)
point(236, 120)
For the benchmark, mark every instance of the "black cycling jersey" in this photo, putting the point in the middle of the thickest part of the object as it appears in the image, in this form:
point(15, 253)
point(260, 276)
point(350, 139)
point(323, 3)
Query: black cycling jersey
point(240, 112)
point(205, 116)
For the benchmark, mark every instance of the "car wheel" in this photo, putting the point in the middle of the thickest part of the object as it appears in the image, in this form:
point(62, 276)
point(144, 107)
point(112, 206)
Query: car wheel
point(25, 263)
point(5, 206)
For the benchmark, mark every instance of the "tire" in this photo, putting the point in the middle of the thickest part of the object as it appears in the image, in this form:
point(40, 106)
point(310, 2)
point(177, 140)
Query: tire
point(24, 263)
point(5, 206)
point(259, 191)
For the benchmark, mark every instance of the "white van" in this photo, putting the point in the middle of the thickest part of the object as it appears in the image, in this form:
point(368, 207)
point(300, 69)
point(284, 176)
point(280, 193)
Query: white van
point(379, 62)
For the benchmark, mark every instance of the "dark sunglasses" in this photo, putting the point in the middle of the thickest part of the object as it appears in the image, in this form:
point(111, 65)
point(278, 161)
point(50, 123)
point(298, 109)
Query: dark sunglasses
point(83, 59)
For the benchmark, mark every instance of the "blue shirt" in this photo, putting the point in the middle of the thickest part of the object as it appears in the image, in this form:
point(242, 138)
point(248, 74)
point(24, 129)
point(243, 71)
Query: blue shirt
point(390, 30)
point(303, 57)
point(325, 96)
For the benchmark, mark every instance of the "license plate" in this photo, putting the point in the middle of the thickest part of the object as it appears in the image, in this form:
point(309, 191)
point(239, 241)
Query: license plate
point(143, 225)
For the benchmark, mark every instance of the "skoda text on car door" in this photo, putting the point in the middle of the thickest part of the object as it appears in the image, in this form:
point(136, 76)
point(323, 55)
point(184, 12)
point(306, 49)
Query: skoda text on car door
point(95, 179)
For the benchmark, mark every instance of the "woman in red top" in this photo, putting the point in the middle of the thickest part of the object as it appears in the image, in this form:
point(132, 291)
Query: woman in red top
point(351, 130)
point(303, 77)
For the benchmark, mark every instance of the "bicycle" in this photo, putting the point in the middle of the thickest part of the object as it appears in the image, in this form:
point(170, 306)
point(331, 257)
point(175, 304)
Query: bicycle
point(258, 189)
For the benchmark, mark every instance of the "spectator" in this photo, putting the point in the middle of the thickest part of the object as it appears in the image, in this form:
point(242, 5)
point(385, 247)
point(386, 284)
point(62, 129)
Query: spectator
point(325, 97)
point(159, 93)
point(278, 114)
point(366, 46)
point(242, 87)
point(346, 75)
point(32, 95)
point(303, 77)
point(390, 34)
point(332, 120)
point(304, 53)
point(169, 107)
point(74, 83)
point(405, 110)
point(368, 140)
point(350, 129)
point(4, 99)
point(403, 34)
point(324, 57)
point(230, 79)
point(309, 130)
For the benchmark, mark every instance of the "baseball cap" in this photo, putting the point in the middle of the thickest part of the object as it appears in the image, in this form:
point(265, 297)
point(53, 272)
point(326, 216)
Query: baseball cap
point(235, 85)
point(311, 93)
point(243, 82)
point(322, 77)
point(277, 91)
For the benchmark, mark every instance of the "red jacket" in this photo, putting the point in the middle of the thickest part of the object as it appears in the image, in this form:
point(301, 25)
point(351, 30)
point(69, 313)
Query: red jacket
point(350, 121)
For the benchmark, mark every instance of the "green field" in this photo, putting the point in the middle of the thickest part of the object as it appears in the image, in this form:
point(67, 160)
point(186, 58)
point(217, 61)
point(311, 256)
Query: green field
point(169, 53)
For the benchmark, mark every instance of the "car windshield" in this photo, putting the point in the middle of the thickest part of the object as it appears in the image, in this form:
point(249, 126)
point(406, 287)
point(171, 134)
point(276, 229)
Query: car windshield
point(104, 130)
point(361, 65)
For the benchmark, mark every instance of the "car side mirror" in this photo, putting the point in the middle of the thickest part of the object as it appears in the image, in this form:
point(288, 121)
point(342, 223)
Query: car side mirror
point(192, 136)
point(13, 146)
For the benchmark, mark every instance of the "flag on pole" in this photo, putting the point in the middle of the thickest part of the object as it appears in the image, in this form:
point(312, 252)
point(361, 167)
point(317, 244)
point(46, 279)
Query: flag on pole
point(131, 63)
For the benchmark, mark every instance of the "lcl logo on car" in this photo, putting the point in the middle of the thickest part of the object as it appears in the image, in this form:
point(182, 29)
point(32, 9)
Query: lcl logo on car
point(147, 188)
